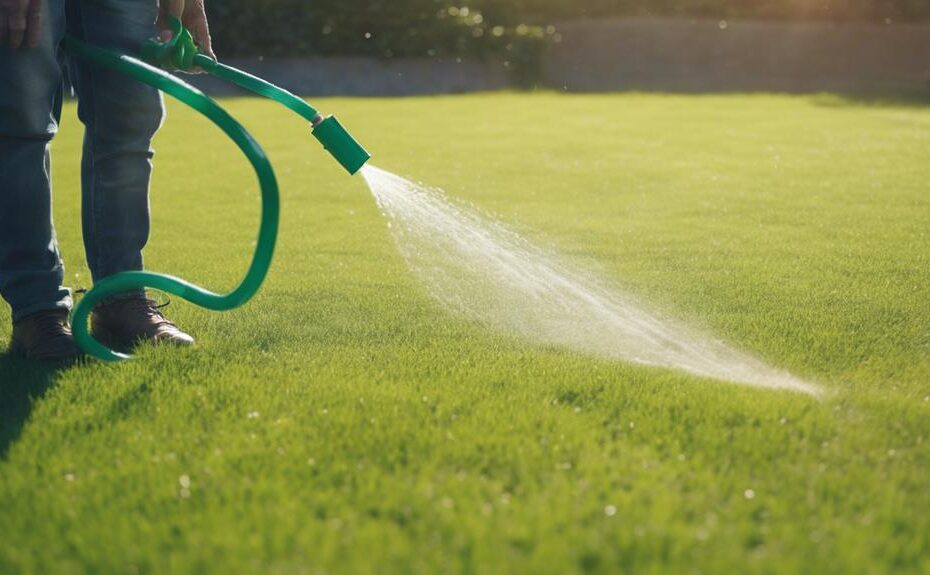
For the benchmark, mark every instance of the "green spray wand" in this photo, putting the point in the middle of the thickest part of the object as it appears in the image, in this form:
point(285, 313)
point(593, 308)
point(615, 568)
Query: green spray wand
point(181, 53)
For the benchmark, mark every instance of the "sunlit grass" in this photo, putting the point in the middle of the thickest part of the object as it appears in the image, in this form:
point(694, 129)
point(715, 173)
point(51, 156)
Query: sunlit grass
point(343, 422)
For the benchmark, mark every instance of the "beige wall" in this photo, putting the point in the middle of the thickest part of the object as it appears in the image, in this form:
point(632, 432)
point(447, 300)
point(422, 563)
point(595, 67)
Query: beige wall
point(648, 55)
point(366, 76)
point(701, 56)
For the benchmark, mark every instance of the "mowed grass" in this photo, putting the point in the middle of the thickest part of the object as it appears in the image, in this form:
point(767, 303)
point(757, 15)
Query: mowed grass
point(343, 422)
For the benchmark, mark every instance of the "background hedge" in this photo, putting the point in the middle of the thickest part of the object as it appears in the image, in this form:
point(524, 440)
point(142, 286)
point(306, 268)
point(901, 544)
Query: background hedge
point(514, 30)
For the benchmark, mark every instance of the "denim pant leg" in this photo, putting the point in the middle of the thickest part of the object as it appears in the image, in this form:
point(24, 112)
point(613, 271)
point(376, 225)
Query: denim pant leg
point(121, 116)
point(31, 270)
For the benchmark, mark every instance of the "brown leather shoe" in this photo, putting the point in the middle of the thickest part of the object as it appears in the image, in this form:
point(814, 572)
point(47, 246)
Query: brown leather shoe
point(123, 323)
point(44, 336)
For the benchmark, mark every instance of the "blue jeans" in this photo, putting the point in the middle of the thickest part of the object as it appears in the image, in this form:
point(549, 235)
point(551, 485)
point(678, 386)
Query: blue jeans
point(120, 117)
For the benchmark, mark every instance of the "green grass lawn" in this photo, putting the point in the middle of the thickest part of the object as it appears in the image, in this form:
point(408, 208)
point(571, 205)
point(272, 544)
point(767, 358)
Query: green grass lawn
point(344, 422)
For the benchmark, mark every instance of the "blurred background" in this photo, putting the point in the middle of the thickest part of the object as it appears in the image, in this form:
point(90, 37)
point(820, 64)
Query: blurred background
point(401, 47)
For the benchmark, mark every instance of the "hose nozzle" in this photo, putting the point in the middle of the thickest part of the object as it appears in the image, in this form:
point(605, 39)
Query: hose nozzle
point(340, 143)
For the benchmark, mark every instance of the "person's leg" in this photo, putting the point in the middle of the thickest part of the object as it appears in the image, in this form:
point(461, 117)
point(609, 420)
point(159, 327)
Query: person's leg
point(121, 116)
point(31, 270)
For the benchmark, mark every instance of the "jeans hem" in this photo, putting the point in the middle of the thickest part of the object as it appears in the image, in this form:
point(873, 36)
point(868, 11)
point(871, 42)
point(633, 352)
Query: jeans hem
point(64, 303)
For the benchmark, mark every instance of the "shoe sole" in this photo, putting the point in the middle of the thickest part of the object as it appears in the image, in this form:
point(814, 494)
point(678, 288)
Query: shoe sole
point(106, 337)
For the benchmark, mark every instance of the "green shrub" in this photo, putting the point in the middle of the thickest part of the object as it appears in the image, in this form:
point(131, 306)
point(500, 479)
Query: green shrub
point(378, 28)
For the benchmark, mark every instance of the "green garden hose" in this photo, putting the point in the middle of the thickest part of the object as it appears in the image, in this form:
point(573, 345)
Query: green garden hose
point(181, 53)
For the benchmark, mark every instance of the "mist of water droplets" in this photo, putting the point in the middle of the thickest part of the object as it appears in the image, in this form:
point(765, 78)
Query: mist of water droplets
point(476, 267)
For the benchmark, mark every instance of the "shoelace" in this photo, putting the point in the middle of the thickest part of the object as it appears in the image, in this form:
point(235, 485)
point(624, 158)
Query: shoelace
point(149, 307)
point(152, 309)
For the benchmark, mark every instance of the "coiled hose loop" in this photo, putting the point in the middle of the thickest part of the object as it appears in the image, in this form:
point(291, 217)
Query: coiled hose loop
point(267, 231)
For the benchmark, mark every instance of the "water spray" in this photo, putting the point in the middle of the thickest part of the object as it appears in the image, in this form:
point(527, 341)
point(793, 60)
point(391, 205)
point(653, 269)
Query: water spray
point(477, 267)
point(180, 53)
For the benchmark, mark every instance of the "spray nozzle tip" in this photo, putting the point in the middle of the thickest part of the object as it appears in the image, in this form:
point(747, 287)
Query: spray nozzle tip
point(340, 143)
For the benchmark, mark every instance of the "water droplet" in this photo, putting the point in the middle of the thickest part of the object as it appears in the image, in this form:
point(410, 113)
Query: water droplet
point(185, 481)
point(749, 494)
point(610, 511)
point(253, 415)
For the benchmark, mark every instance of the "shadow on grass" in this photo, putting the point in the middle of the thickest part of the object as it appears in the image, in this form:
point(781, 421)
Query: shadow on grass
point(22, 383)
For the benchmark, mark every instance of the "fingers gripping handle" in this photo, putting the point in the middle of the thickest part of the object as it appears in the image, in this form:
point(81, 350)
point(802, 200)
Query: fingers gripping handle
point(178, 53)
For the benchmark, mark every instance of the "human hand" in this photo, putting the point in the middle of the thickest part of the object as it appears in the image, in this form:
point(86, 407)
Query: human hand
point(20, 19)
point(191, 13)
